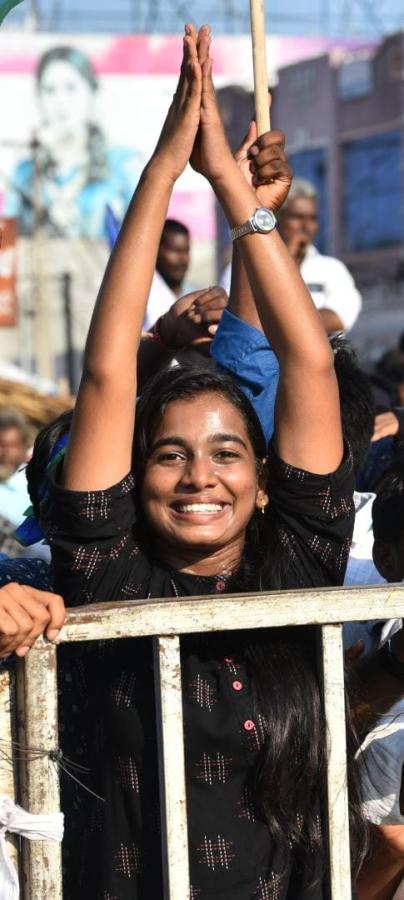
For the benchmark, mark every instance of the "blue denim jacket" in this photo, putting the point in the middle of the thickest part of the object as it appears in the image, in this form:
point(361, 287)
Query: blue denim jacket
point(246, 354)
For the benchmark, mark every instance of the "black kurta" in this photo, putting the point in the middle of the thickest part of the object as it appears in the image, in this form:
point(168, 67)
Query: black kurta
point(112, 847)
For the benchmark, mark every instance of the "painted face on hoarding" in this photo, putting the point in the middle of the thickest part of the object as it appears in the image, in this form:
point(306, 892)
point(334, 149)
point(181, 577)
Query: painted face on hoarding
point(65, 98)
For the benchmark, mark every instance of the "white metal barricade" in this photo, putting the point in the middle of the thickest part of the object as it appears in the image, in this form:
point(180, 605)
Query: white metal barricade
point(165, 620)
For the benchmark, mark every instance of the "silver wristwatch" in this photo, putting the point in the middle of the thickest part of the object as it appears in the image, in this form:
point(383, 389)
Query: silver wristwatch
point(262, 221)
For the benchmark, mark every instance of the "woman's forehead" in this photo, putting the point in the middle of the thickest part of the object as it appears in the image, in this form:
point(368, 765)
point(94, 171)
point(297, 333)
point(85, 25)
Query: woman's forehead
point(59, 70)
point(203, 415)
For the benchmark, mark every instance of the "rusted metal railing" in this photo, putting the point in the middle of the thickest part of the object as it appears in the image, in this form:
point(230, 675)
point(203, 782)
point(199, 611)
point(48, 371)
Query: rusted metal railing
point(165, 620)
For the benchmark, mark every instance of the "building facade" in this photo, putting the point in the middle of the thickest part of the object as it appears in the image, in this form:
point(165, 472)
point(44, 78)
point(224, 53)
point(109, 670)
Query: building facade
point(344, 118)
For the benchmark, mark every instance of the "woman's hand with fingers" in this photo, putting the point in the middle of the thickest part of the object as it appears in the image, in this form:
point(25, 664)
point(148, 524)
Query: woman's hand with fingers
point(180, 128)
point(264, 165)
point(25, 613)
point(212, 154)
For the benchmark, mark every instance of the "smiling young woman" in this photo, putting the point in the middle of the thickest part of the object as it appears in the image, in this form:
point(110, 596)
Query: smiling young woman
point(200, 487)
point(172, 506)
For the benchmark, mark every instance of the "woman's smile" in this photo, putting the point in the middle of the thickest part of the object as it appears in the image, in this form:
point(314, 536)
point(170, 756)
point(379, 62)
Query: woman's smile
point(200, 486)
point(199, 512)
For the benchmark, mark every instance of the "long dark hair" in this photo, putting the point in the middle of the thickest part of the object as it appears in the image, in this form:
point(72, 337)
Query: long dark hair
point(289, 777)
point(44, 443)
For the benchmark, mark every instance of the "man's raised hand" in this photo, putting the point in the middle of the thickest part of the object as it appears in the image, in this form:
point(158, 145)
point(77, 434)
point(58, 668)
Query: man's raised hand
point(264, 165)
point(194, 317)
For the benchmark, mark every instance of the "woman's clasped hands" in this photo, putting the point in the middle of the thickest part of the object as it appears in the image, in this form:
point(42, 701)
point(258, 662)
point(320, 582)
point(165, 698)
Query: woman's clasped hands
point(193, 132)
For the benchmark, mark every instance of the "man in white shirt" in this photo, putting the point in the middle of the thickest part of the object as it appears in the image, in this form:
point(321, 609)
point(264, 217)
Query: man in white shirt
point(14, 442)
point(171, 268)
point(330, 284)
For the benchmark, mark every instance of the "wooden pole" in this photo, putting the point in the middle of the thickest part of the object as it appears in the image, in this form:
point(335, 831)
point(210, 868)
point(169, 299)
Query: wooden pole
point(263, 119)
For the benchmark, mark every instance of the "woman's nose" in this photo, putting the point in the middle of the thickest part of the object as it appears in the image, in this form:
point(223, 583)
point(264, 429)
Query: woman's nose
point(199, 473)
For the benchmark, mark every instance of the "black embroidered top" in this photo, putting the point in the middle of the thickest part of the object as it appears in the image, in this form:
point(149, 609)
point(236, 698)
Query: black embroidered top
point(112, 847)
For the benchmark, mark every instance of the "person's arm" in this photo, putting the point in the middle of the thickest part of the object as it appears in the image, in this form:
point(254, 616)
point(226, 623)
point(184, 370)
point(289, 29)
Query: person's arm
point(271, 164)
point(308, 430)
point(240, 345)
point(331, 321)
point(100, 448)
point(274, 168)
point(383, 871)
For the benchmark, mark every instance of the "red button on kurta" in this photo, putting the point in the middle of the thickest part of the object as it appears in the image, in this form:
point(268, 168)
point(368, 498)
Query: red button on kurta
point(249, 725)
point(238, 685)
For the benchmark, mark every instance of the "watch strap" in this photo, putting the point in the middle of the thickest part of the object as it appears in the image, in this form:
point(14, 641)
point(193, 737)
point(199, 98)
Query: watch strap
point(241, 230)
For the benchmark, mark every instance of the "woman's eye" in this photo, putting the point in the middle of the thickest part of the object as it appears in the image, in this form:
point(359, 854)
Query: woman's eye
point(172, 456)
point(227, 455)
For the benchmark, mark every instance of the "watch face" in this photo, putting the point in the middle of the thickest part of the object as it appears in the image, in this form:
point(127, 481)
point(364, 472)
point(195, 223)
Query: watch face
point(264, 219)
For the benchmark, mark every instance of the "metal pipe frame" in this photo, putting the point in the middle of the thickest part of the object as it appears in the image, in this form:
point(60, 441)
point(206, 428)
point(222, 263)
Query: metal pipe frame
point(166, 620)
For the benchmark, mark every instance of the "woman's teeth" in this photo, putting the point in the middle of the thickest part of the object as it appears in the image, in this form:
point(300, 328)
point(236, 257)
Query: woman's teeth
point(199, 507)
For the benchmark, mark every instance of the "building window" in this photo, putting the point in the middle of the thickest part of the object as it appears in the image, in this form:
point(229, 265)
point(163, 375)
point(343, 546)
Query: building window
point(373, 178)
point(312, 164)
point(355, 79)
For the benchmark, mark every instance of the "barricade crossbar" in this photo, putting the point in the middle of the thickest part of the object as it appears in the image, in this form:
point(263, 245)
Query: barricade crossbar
point(165, 620)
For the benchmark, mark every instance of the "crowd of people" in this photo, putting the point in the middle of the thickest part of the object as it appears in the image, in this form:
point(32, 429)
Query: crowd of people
point(223, 440)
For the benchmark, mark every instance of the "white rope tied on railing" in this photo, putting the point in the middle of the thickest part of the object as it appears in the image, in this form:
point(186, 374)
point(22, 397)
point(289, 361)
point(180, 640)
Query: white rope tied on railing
point(15, 820)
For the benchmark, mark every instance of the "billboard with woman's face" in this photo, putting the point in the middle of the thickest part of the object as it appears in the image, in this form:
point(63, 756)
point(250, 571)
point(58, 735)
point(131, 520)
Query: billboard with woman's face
point(85, 114)
point(71, 172)
point(80, 115)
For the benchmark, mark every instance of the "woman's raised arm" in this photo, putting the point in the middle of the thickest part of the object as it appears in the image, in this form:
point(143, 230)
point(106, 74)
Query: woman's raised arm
point(308, 422)
point(100, 449)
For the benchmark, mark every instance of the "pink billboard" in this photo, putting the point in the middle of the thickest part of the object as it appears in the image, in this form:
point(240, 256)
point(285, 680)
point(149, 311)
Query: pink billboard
point(84, 116)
